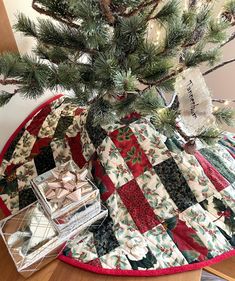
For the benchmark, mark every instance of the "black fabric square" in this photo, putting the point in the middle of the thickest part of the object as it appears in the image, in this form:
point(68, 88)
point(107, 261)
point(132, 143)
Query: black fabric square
point(62, 126)
point(98, 172)
point(229, 236)
point(175, 184)
point(45, 160)
point(26, 197)
point(105, 240)
point(96, 133)
point(12, 147)
point(147, 262)
point(8, 185)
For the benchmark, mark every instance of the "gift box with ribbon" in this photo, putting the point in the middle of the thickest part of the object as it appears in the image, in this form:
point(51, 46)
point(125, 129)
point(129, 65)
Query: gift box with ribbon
point(67, 194)
point(32, 239)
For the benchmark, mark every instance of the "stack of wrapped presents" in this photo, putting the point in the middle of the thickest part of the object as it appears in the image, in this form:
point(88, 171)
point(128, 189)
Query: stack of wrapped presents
point(68, 203)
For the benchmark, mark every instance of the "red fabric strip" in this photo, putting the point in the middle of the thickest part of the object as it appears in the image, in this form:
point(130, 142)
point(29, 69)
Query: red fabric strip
point(134, 156)
point(76, 150)
point(103, 180)
point(36, 123)
point(150, 272)
point(79, 110)
point(183, 236)
point(39, 144)
point(215, 177)
point(4, 208)
point(138, 207)
point(233, 155)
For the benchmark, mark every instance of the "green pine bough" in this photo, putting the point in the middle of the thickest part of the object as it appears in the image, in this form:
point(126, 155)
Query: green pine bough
point(101, 51)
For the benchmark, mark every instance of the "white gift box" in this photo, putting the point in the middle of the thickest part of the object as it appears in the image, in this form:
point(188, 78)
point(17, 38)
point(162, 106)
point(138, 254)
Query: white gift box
point(79, 217)
point(67, 211)
point(32, 239)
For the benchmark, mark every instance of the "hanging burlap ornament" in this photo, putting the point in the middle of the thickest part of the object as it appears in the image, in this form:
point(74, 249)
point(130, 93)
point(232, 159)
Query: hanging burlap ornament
point(195, 102)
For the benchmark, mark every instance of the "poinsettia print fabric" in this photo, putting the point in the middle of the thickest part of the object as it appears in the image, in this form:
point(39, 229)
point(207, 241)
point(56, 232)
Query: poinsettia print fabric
point(167, 209)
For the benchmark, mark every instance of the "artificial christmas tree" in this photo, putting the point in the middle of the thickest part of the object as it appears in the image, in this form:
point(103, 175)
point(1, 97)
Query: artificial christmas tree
point(117, 57)
point(171, 203)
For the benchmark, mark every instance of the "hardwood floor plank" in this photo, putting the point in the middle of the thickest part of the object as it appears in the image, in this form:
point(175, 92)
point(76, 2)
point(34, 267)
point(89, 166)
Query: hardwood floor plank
point(225, 269)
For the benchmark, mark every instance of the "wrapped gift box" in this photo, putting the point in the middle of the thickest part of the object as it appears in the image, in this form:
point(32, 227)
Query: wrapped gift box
point(67, 194)
point(32, 239)
point(78, 216)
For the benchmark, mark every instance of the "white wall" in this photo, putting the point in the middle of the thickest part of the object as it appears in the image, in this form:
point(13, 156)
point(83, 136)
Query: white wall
point(222, 81)
point(12, 114)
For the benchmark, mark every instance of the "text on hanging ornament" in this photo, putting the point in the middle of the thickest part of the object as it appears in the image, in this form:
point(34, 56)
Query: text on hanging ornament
point(191, 98)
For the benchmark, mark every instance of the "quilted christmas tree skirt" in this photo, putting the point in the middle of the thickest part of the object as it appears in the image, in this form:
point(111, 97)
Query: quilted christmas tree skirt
point(169, 211)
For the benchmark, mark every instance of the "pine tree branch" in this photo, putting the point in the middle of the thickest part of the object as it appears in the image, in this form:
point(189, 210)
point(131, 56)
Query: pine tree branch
point(15, 92)
point(140, 7)
point(3, 93)
point(222, 100)
point(162, 96)
point(210, 133)
point(53, 15)
point(105, 7)
point(218, 66)
point(5, 97)
point(232, 36)
point(188, 45)
point(150, 17)
point(163, 79)
point(10, 82)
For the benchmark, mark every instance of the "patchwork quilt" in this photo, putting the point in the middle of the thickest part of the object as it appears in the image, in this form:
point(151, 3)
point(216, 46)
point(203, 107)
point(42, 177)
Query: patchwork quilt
point(168, 211)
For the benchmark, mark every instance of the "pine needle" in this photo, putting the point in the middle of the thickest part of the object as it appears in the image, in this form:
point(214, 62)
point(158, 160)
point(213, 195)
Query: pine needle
point(225, 116)
point(5, 97)
point(210, 136)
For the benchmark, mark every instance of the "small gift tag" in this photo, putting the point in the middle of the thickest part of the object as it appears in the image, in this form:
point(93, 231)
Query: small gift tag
point(195, 102)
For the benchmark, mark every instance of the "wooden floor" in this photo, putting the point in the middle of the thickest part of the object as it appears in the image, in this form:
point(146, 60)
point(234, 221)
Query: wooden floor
point(224, 269)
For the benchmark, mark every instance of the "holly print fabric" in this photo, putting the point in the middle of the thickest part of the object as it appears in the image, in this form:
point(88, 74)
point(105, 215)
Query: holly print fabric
point(168, 210)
